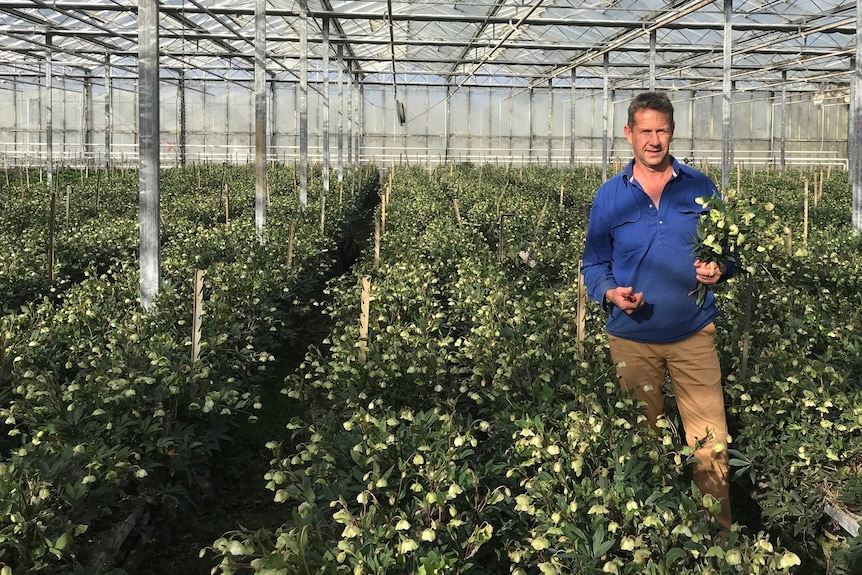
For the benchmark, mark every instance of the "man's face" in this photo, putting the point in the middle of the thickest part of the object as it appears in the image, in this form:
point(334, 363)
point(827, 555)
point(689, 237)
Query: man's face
point(650, 138)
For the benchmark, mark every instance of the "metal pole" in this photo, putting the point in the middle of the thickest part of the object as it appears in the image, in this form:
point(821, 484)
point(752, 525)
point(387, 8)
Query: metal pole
point(303, 107)
point(446, 121)
point(550, 119)
point(691, 121)
point(726, 101)
point(572, 127)
point(360, 121)
point(783, 121)
point(530, 124)
point(49, 111)
point(260, 120)
point(183, 127)
point(854, 143)
point(271, 124)
point(340, 120)
point(605, 105)
point(148, 179)
point(109, 118)
point(86, 116)
point(652, 59)
point(349, 117)
point(326, 105)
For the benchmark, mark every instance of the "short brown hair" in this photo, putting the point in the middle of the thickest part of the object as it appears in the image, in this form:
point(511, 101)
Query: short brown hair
point(657, 101)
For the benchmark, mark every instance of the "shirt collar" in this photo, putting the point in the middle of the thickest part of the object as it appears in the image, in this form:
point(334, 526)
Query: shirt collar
point(629, 175)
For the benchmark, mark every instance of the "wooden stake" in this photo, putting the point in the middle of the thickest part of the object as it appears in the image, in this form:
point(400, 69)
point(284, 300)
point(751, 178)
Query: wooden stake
point(457, 210)
point(322, 213)
point(562, 188)
point(68, 200)
point(582, 311)
point(364, 312)
point(51, 228)
point(197, 313)
point(376, 244)
point(98, 187)
point(290, 235)
point(738, 177)
point(383, 214)
point(789, 234)
point(226, 195)
point(746, 328)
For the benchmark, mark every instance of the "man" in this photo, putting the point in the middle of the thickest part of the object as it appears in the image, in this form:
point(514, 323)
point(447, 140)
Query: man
point(638, 264)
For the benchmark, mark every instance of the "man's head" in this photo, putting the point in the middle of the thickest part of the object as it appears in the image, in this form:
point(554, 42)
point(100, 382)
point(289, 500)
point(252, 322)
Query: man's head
point(650, 130)
point(657, 101)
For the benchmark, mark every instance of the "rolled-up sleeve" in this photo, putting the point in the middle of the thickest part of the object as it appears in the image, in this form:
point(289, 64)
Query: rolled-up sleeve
point(597, 266)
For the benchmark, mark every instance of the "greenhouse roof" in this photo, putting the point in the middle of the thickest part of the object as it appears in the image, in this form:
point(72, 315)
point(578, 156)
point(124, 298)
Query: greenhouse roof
point(775, 44)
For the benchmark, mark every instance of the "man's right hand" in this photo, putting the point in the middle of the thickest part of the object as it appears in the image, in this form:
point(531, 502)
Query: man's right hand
point(625, 298)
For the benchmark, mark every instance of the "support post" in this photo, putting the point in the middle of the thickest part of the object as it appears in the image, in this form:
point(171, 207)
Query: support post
point(303, 107)
point(148, 179)
point(854, 144)
point(197, 313)
point(605, 105)
point(260, 183)
point(49, 110)
point(325, 107)
point(726, 100)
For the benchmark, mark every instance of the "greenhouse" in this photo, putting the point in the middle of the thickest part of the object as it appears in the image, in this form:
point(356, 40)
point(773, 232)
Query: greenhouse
point(306, 287)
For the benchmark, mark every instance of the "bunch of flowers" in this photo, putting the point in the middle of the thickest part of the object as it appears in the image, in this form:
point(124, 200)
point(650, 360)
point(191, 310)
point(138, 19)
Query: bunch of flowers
point(718, 238)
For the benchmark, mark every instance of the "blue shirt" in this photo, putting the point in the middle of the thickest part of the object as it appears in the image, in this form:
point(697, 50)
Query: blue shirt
point(630, 242)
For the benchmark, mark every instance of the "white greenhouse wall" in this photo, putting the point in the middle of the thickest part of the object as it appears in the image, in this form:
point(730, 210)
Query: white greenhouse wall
point(502, 125)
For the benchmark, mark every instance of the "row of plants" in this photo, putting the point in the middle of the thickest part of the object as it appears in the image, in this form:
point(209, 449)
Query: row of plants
point(108, 421)
point(472, 432)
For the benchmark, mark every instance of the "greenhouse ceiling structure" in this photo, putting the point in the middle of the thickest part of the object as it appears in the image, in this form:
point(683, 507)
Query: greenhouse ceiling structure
point(438, 79)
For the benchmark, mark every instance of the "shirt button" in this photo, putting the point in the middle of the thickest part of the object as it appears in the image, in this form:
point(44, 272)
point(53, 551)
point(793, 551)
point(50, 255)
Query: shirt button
point(661, 221)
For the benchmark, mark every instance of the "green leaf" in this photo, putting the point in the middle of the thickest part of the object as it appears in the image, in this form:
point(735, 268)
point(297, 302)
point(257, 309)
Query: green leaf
point(674, 555)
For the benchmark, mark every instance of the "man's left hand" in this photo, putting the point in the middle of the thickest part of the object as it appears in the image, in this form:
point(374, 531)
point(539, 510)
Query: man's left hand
point(708, 273)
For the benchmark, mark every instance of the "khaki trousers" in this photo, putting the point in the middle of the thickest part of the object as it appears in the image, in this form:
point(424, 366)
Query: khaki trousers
point(695, 372)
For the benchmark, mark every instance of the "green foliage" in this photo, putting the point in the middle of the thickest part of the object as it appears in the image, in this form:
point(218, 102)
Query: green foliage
point(102, 404)
point(475, 437)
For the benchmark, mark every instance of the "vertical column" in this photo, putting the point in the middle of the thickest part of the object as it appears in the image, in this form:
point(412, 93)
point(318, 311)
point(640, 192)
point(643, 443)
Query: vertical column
point(358, 95)
point(271, 124)
point(854, 142)
point(726, 100)
point(86, 116)
point(260, 119)
point(340, 120)
point(326, 105)
point(572, 126)
point(109, 117)
point(783, 121)
point(148, 179)
point(49, 110)
point(469, 125)
point(691, 122)
point(303, 107)
point(447, 120)
point(550, 120)
point(652, 58)
point(16, 125)
point(605, 106)
point(530, 125)
point(183, 126)
point(349, 117)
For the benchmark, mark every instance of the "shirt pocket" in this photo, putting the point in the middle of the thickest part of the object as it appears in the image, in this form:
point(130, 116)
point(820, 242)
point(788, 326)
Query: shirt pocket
point(688, 219)
point(628, 232)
